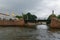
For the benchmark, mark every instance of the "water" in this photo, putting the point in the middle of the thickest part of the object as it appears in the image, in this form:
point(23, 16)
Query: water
point(20, 33)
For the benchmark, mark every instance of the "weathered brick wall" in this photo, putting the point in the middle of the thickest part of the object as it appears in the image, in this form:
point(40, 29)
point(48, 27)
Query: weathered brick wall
point(12, 22)
point(55, 23)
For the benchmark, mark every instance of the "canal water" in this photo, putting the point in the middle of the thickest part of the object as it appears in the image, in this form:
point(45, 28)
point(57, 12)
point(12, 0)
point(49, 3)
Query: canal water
point(20, 33)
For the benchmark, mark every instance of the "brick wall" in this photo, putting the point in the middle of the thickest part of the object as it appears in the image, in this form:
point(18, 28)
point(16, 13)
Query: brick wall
point(12, 22)
point(55, 23)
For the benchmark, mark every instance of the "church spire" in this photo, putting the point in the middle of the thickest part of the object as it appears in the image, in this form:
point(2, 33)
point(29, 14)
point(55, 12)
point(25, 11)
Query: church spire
point(52, 11)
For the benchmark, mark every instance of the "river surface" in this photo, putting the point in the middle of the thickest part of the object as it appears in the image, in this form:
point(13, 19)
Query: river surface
point(20, 33)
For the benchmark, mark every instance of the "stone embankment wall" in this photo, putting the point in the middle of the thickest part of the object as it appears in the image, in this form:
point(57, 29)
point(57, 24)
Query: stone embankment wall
point(55, 23)
point(12, 22)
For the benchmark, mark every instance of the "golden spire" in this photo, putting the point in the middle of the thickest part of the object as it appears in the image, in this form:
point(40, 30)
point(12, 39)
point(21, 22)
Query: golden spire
point(13, 14)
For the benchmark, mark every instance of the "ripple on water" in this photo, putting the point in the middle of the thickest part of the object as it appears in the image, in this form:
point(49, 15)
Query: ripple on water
point(41, 33)
point(42, 27)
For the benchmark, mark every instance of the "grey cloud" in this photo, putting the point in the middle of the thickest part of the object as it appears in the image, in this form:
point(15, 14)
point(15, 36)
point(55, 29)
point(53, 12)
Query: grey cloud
point(38, 7)
point(18, 5)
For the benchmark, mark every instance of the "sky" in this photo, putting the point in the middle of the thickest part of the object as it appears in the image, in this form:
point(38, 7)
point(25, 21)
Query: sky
point(40, 8)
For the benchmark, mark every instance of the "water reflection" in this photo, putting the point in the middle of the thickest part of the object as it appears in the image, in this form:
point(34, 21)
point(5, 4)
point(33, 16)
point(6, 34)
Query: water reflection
point(45, 34)
point(41, 33)
point(42, 27)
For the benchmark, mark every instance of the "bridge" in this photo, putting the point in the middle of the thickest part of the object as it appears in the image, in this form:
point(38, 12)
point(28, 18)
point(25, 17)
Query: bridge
point(38, 21)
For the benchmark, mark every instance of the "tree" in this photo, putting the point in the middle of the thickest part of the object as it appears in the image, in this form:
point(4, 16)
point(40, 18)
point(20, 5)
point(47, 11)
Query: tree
point(58, 16)
point(18, 17)
point(24, 16)
point(29, 16)
point(34, 17)
point(50, 17)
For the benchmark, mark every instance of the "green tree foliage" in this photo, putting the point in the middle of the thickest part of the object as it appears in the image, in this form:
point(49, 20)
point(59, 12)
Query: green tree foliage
point(58, 16)
point(48, 19)
point(24, 16)
point(52, 15)
point(34, 17)
point(29, 17)
point(18, 17)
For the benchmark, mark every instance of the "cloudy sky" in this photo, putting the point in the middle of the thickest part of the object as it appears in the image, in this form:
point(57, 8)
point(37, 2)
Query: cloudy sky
point(41, 8)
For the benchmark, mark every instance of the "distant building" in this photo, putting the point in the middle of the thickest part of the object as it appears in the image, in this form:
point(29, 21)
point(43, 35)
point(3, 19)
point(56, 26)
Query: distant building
point(55, 22)
point(52, 15)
